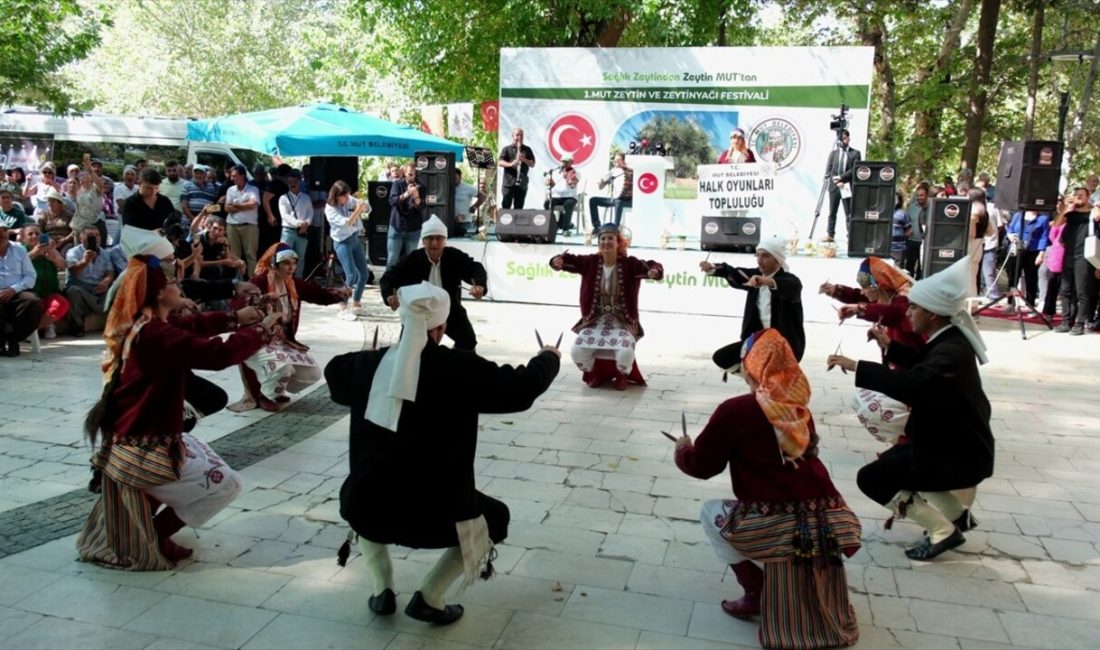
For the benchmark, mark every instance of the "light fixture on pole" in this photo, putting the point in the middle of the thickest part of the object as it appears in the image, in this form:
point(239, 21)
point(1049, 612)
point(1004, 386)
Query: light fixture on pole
point(1066, 56)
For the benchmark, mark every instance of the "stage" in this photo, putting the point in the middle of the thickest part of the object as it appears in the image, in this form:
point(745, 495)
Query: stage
point(521, 273)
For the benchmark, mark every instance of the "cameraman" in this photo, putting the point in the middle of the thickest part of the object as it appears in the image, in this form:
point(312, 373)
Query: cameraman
point(90, 275)
point(839, 172)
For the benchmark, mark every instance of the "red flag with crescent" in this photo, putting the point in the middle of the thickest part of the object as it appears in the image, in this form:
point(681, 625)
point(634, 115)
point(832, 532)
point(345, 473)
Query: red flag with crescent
point(490, 115)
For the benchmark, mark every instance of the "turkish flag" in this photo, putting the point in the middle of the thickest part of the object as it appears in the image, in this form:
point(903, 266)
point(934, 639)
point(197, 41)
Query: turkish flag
point(490, 115)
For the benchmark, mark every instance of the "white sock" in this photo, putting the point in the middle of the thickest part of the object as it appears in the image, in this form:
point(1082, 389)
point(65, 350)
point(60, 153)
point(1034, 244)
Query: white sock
point(966, 496)
point(446, 570)
point(946, 502)
point(939, 527)
point(378, 561)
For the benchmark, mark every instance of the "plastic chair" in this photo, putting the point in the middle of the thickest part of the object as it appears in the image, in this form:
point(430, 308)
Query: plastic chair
point(36, 344)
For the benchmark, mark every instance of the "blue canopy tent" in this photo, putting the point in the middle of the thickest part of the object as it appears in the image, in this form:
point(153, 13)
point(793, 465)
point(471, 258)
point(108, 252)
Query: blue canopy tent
point(318, 130)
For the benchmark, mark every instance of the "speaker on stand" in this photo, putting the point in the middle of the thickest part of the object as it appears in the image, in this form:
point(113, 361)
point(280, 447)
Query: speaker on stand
point(1028, 173)
point(378, 225)
point(871, 223)
point(326, 170)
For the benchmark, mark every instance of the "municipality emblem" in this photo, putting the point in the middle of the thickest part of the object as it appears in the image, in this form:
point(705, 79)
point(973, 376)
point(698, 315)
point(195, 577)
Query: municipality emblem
point(776, 140)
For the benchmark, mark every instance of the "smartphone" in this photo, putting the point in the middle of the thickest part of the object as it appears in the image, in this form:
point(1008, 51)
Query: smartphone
point(87, 158)
point(93, 244)
point(43, 239)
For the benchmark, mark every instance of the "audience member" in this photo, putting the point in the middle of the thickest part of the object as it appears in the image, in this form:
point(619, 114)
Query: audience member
point(296, 214)
point(47, 286)
point(344, 213)
point(20, 309)
point(901, 230)
point(242, 203)
point(406, 216)
point(56, 220)
point(1028, 236)
point(467, 200)
point(127, 188)
point(172, 185)
point(918, 223)
point(271, 230)
point(90, 275)
point(12, 214)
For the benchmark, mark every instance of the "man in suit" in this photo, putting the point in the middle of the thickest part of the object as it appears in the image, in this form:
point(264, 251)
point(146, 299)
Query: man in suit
point(950, 441)
point(444, 267)
point(774, 299)
point(839, 172)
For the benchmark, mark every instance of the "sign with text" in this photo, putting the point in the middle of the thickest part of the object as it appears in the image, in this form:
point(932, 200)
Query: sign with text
point(742, 187)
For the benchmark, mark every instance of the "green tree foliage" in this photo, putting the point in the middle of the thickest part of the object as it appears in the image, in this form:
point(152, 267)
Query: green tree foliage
point(39, 38)
point(688, 141)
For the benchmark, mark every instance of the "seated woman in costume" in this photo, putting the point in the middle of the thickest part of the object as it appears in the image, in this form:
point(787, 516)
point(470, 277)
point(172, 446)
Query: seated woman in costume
point(145, 460)
point(608, 329)
point(283, 365)
point(883, 299)
point(786, 513)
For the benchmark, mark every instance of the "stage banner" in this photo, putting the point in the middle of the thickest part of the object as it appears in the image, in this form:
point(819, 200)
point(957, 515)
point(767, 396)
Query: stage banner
point(29, 153)
point(682, 104)
point(521, 273)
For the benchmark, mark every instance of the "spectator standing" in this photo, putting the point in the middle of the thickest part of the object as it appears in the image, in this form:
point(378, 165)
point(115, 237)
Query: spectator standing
point(902, 229)
point(127, 188)
point(197, 193)
point(1078, 277)
point(918, 222)
point(406, 216)
point(242, 202)
point(296, 214)
point(271, 230)
point(344, 213)
point(1028, 235)
point(172, 185)
point(89, 205)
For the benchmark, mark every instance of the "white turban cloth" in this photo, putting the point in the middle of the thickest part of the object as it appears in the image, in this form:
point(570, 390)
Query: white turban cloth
point(777, 248)
point(432, 227)
point(423, 307)
point(139, 241)
point(945, 294)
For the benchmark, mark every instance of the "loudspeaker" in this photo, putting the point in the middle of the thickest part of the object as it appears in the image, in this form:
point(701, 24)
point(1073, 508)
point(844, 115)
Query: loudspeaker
point(873, 198)
point(530, 226)
point(326, 170)
point(435, 170)
point(730, 234)
point(378, 225)
point(1028, 173)
point(948, 233)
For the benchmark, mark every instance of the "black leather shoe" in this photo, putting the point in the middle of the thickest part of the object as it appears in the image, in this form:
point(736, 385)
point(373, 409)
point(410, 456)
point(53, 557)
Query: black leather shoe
point(422, 611)
point(384, 603)
point(926, 550)
point(1062, 328)
point(965, 522)
point(11, 349)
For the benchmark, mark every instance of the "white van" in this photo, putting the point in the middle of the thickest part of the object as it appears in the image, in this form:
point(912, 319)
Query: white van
point(29, 138)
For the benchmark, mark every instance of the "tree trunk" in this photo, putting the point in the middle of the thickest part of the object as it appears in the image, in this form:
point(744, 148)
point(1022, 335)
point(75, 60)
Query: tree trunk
point(927, 119)
point(1039, 7)
point(873, 33)
point(1077, 126)
point(979, 84)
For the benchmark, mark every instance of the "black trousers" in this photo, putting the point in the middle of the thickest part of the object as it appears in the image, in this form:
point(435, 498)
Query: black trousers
point(19, 316)
point(894, 471)
point(512, 197)
point(911, 260)
point(567, 207)
point(204, 396)
point(1050, 301)
point(1078, 287)
point(1028, 271)
point(834, 203)
point(425, 531)
point(460, 330)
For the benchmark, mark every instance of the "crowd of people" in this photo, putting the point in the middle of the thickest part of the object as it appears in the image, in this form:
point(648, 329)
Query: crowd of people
point(175, 276)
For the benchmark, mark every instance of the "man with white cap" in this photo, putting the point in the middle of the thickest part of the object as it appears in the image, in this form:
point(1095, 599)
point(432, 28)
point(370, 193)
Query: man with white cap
point(413, 438)
point(561, 190)
point(774, 299)
point(444, 267)
point(951, 444)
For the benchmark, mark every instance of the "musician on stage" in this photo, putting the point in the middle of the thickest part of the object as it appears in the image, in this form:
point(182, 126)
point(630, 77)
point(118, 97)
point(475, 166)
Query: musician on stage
point(516, 160)
point(621, 178)
point(561, 189)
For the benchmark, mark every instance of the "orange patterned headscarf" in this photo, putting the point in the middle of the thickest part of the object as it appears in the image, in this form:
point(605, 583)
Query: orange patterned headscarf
point(784, 392)
point(884, 275)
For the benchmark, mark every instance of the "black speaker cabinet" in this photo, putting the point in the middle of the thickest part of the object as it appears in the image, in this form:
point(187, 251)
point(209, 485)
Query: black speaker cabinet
point(378, 195)
point(326, 170)
point(1027, 175)
point(730, 234)
point(530, 226)
point(435, 170)
point(948, 233)
point(870, 223)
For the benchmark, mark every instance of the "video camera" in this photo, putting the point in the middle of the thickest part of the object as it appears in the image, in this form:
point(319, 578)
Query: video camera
point(840, 120)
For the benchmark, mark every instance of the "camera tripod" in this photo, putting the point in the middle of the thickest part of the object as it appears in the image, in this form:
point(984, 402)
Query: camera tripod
point(1014, 292)
point(838, 149)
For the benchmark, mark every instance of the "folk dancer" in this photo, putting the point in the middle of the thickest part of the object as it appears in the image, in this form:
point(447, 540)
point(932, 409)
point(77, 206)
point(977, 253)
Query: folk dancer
point(950, 441)
point(609, 328)
point(443, 267)
point(283, 365)
point(410, 427)
point(774, 299)
point(145, 460)
point(786, 514)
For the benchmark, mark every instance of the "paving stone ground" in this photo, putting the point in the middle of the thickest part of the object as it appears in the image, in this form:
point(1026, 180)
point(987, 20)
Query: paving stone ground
point(604, 549)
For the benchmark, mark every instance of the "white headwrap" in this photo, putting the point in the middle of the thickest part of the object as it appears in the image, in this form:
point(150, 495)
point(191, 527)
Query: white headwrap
point(423, 307)
point(286, 254)
point(139, 241)
point(432, 227)
point(776, 247)
point(945, 294)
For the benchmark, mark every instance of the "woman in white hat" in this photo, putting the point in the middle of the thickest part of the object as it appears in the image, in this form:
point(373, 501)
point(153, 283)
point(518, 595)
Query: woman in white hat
point(56, 220)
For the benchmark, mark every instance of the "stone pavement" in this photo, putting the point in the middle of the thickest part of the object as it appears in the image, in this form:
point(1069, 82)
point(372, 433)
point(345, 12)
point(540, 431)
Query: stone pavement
point(604, 549)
